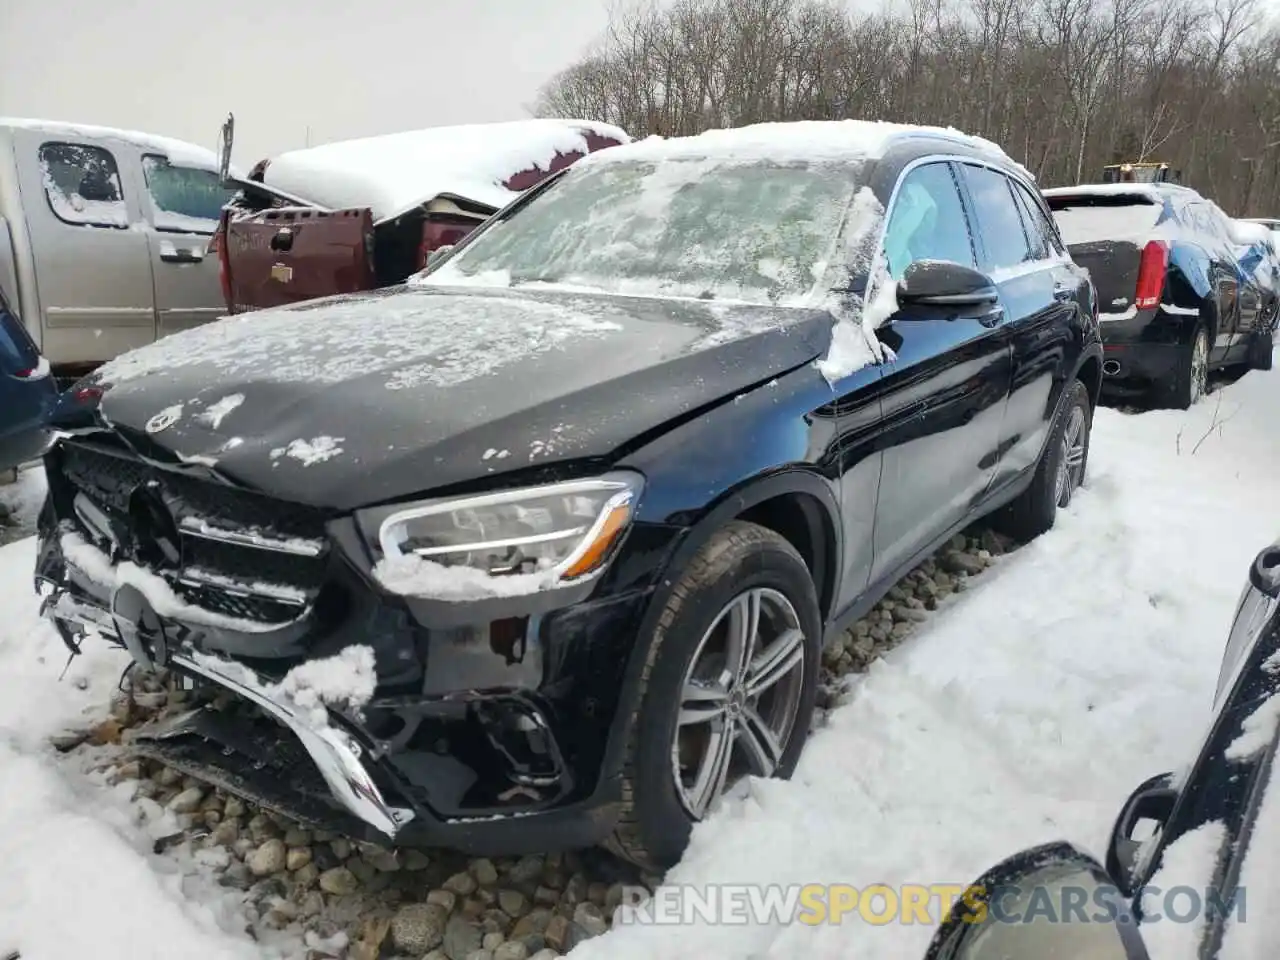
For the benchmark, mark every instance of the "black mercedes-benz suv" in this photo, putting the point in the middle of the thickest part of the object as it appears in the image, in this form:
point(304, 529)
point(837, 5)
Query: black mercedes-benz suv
point(540, 550)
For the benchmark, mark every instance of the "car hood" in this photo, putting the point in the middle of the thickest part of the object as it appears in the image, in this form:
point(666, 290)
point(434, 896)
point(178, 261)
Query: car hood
point(355, 400)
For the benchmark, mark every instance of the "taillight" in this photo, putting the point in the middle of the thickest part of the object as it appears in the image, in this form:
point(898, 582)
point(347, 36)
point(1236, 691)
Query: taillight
point(1151, 273)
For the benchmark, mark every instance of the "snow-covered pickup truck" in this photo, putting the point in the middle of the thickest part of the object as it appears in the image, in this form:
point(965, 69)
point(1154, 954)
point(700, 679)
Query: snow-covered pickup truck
point(362, 214)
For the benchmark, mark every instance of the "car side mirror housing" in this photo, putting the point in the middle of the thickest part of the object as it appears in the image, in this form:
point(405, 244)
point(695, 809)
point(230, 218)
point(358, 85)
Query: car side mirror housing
point(942, 283)
point(1049, 902)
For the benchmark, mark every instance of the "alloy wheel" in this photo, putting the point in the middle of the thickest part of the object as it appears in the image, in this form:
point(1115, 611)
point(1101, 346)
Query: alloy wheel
point(739, 698)
point(1071, 457)
point(1199, 366)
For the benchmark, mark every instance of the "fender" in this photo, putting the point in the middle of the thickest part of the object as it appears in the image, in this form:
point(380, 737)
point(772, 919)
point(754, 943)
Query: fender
point(792, 479)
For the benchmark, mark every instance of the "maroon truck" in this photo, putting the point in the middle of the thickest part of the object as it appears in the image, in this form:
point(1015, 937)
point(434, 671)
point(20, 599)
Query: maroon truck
point(361, 214)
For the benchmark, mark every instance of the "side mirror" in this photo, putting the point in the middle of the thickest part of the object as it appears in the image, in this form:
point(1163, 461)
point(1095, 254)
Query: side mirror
point(1045, 903)
point(1154, 801)
point(942, 283)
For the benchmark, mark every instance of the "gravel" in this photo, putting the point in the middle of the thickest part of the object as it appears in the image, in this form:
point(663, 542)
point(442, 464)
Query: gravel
point(358, 901)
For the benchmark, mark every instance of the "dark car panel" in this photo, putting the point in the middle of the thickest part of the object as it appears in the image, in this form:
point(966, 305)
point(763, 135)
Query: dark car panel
point(27, 393)
point(269, 451)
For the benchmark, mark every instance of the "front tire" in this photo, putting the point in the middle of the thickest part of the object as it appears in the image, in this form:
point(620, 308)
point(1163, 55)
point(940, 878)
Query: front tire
point(728, 688)
point(1060, 472)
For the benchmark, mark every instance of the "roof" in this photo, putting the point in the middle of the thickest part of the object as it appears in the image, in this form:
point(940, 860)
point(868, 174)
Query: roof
point(178, 151)
point(394, 173)
point(1155, 192)
point(799, 140)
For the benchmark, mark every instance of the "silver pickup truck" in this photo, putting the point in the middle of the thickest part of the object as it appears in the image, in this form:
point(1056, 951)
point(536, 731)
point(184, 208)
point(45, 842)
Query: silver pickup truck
point(103, 237)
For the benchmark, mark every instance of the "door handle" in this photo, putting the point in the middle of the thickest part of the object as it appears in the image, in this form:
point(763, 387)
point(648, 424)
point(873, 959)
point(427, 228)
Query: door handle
point(182, 256)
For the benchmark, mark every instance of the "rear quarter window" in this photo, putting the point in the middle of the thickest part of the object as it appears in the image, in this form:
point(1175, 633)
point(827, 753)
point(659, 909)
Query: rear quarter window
point(82, 185)
point(1088, 219)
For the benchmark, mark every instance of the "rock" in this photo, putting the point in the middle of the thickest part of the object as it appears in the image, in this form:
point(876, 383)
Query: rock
point(312, 904)
point(129, 770)
point(362, 868)
point(262, 828)
point(226, 833)
point(383, 860)
point(546, 895)
point(297, 858)
point(588, 916)
point(575, 891)
point(563, 934)
point(269, 858)
point(901, 631)
point(480, 955)
point(512, 902)
point(485, 872)
point(461, 937)
point(907, 614)
point(188, 801)
point(963, 563)
point(492, 941)
point(545, 954)
point(306, 876)
point(511, 950)
point(339, 881)
point(341, 847)
point(462, 884)
point(415, 860)
point(418, 927)
point(233, 807)
point(527, 870)
point(297, 837)
point(168, 777)
point(444, 898)
point(533, 922)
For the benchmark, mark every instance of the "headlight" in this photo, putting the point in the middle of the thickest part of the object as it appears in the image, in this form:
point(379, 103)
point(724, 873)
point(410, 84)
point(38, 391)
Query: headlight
point(564, 531)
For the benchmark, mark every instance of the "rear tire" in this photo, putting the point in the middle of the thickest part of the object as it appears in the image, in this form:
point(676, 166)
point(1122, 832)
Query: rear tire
point(1191, 378)
point(1060, 472)
point(692, 693)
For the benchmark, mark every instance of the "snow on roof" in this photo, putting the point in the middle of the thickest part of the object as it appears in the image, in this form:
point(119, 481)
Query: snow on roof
point(797, 140)
point(178, 151)
point(1156, 193)
point(396, 172)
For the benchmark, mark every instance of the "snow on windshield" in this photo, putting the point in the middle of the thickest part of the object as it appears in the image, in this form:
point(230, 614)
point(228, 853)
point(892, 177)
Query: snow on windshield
point(755, 231)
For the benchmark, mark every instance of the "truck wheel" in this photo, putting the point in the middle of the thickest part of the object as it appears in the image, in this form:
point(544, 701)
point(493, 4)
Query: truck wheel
point(1060, 472)
point(1191, 378)
point(1261, 349)
point(728, 689)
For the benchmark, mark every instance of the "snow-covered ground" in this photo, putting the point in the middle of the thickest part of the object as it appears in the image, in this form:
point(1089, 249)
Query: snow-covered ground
point(1024, 712)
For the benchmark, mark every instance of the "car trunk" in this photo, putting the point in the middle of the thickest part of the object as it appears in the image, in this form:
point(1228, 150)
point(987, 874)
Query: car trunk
point(1107, 234)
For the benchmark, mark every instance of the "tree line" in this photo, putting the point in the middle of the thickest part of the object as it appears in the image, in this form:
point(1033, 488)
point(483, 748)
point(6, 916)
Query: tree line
point(1065, 86)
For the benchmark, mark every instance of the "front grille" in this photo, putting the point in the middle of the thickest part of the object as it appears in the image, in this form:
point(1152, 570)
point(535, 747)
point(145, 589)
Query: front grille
point(243, 555)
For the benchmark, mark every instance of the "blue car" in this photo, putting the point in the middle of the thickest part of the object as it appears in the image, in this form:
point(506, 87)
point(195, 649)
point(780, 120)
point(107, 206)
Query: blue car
point(27, 393)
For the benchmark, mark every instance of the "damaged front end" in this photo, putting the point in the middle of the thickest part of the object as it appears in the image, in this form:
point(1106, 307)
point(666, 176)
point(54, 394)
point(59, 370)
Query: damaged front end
point(499, 748)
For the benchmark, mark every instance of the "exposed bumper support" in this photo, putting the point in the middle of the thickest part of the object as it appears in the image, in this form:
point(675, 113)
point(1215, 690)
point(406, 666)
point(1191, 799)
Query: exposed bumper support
point(335, 753)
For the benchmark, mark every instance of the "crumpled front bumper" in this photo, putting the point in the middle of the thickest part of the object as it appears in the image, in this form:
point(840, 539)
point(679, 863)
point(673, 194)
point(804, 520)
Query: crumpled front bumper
point(335, 753)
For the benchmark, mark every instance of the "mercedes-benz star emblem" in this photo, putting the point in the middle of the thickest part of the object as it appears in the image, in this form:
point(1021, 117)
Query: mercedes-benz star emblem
point(163, 420)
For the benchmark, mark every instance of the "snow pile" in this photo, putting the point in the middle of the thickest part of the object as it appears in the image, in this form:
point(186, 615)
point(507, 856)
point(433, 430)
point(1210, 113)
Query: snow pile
point(345, 681)
point(1028, 710)
point(394, 173)
point(1257, 731)
point(414, 576)
point(1188, 863)
point(1088, 224)
point(1253, 933)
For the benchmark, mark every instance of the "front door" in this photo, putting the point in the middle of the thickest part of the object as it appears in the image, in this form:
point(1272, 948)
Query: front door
point(183, 204)
point(944, 394)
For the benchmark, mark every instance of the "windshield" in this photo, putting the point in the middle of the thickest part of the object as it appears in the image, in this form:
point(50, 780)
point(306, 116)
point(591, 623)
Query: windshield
point(760, 232)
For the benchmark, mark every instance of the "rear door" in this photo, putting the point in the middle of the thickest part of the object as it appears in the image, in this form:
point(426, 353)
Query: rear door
point(288, 254)
point(1231, 297)
point(183, 206)
point(92, 262)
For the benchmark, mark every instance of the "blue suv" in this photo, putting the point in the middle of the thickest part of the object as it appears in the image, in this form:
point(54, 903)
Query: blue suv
point(27, 393)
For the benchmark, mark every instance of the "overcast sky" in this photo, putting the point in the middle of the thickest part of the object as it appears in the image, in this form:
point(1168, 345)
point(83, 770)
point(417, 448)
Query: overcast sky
point(344, 68)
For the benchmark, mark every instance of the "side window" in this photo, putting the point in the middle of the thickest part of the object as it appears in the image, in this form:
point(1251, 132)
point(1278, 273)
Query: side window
point(1036, 243)
point(1039, 227)
point(183, 199)
point(82, 184)
point(928, 221)
point(998, 218)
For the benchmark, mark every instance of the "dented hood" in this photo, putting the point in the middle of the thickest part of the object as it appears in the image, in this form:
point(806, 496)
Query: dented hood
point(357, 400)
